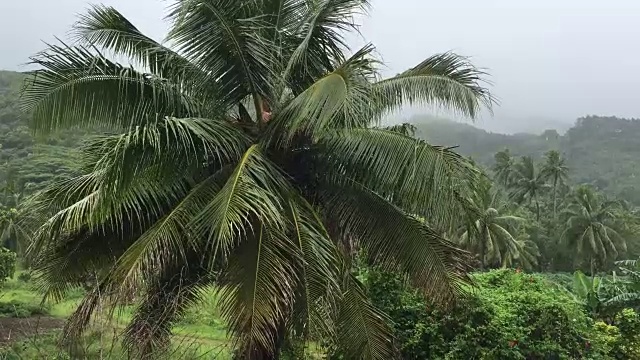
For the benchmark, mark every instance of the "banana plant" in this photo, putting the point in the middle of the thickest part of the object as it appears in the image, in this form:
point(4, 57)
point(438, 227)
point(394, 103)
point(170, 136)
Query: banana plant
point(589, 291)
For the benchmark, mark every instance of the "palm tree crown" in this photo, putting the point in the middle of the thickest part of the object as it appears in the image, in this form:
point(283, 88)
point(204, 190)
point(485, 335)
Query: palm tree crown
point(489, 231)
point(247, 158)
point(503, 167)
point(528, 183)
point(591, 226)
point(556, 170)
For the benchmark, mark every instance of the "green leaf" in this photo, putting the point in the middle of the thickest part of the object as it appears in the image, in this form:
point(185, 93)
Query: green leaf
point(397, 241)
point(76, 87)
point(444, 80)
point(430, 181)
point(364, 331)
point(257, 289)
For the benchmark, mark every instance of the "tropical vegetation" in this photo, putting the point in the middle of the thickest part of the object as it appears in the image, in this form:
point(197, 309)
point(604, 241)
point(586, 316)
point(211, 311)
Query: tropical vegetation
point(249, 157)
point(243, 178)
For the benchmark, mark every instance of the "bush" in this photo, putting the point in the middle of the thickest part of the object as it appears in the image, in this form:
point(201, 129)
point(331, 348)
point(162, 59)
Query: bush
point(7, 264)
point(17, 309)
point(628, 323)
point(508, 316)
point(25, 276)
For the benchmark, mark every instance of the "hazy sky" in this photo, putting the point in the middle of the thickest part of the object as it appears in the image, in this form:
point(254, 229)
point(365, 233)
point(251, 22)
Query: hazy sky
point(552, 59)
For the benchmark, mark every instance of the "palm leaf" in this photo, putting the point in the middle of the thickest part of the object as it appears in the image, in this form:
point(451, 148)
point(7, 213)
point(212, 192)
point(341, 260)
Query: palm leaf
point(106, 27)
point(167, 297)
point(191, 143)
point(225, 39)
point(446, 80)
point(252, 192)
point(319, 40)
point(364, 331)
point(397, 241)
point(77, 87)
point(338, 100)
point(319, 269)
point(426, 180)
point(257, 289)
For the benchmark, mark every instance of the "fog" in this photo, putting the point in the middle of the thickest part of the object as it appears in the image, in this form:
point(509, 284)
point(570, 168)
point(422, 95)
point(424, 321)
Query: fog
point(550, 61)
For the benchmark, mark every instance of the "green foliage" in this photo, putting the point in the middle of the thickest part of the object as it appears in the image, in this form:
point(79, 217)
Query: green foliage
point(601, 151)
point(509, 315)
point(590, 292)
point(591, 228)
point(19, 309)
point(492, 233)
point(25, 159)
point(250, 158)
point(7, 264)
point(620, 340)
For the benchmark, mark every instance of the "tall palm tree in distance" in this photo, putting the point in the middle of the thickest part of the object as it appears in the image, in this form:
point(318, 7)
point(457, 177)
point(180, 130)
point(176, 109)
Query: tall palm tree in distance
point(247, 158)
point(489, 231)
point(555, 170)
point(503, 167)
point(591, 227)
point(528, 183)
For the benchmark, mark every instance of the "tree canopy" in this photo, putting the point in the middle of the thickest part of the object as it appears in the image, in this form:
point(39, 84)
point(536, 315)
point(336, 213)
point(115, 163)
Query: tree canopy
point(249, 157)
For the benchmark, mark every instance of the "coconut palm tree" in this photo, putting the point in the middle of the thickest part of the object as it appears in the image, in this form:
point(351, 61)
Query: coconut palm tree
point(555, 170)
point(503, 167)
point(13, 232)
point(526, 256)
point(488, 230)
point(248, 158)
point(591, 227)
point(528, 183)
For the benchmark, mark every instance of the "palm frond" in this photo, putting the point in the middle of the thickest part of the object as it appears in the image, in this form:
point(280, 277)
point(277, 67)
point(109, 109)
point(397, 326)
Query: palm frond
point(430, 181)
point(397, 241)
point(192, 143)
point(364, 331)
point(445, 80)
point(319, 271)
point(252, 192)
point(625, 298)
point(78, 87)
point(169, 240)
point(225, 39)
point(338, 100)
point(257, 289)
point(319, 40)
point(167, 297)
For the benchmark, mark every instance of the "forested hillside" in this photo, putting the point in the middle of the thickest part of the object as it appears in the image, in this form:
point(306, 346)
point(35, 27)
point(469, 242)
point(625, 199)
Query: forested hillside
point(603, 151)
point(23, 160)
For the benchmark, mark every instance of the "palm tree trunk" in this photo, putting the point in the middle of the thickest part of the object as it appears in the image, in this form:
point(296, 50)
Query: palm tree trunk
point(555, 197)
point(482, 249)
point(537, 209)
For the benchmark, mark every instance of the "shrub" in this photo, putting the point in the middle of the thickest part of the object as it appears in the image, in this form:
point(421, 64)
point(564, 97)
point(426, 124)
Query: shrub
point(628, 323)
point(508, 315)
point(25, 276)
point(7, 264)
point(17, 309)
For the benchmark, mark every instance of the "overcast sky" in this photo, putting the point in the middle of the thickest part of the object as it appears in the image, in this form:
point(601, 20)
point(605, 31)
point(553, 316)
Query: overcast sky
point(549, 59)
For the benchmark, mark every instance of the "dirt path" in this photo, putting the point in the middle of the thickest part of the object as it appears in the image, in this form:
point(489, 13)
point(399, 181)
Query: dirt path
point(13, 329)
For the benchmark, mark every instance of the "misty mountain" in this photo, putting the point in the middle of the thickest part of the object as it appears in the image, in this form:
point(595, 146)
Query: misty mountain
point(603, 151)
point(524, 124)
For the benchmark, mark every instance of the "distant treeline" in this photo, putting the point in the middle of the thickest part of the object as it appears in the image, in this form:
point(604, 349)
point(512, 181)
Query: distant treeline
point(602, 151)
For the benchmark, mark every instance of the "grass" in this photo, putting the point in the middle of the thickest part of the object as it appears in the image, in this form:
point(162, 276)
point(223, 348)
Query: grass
point(199, 335)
